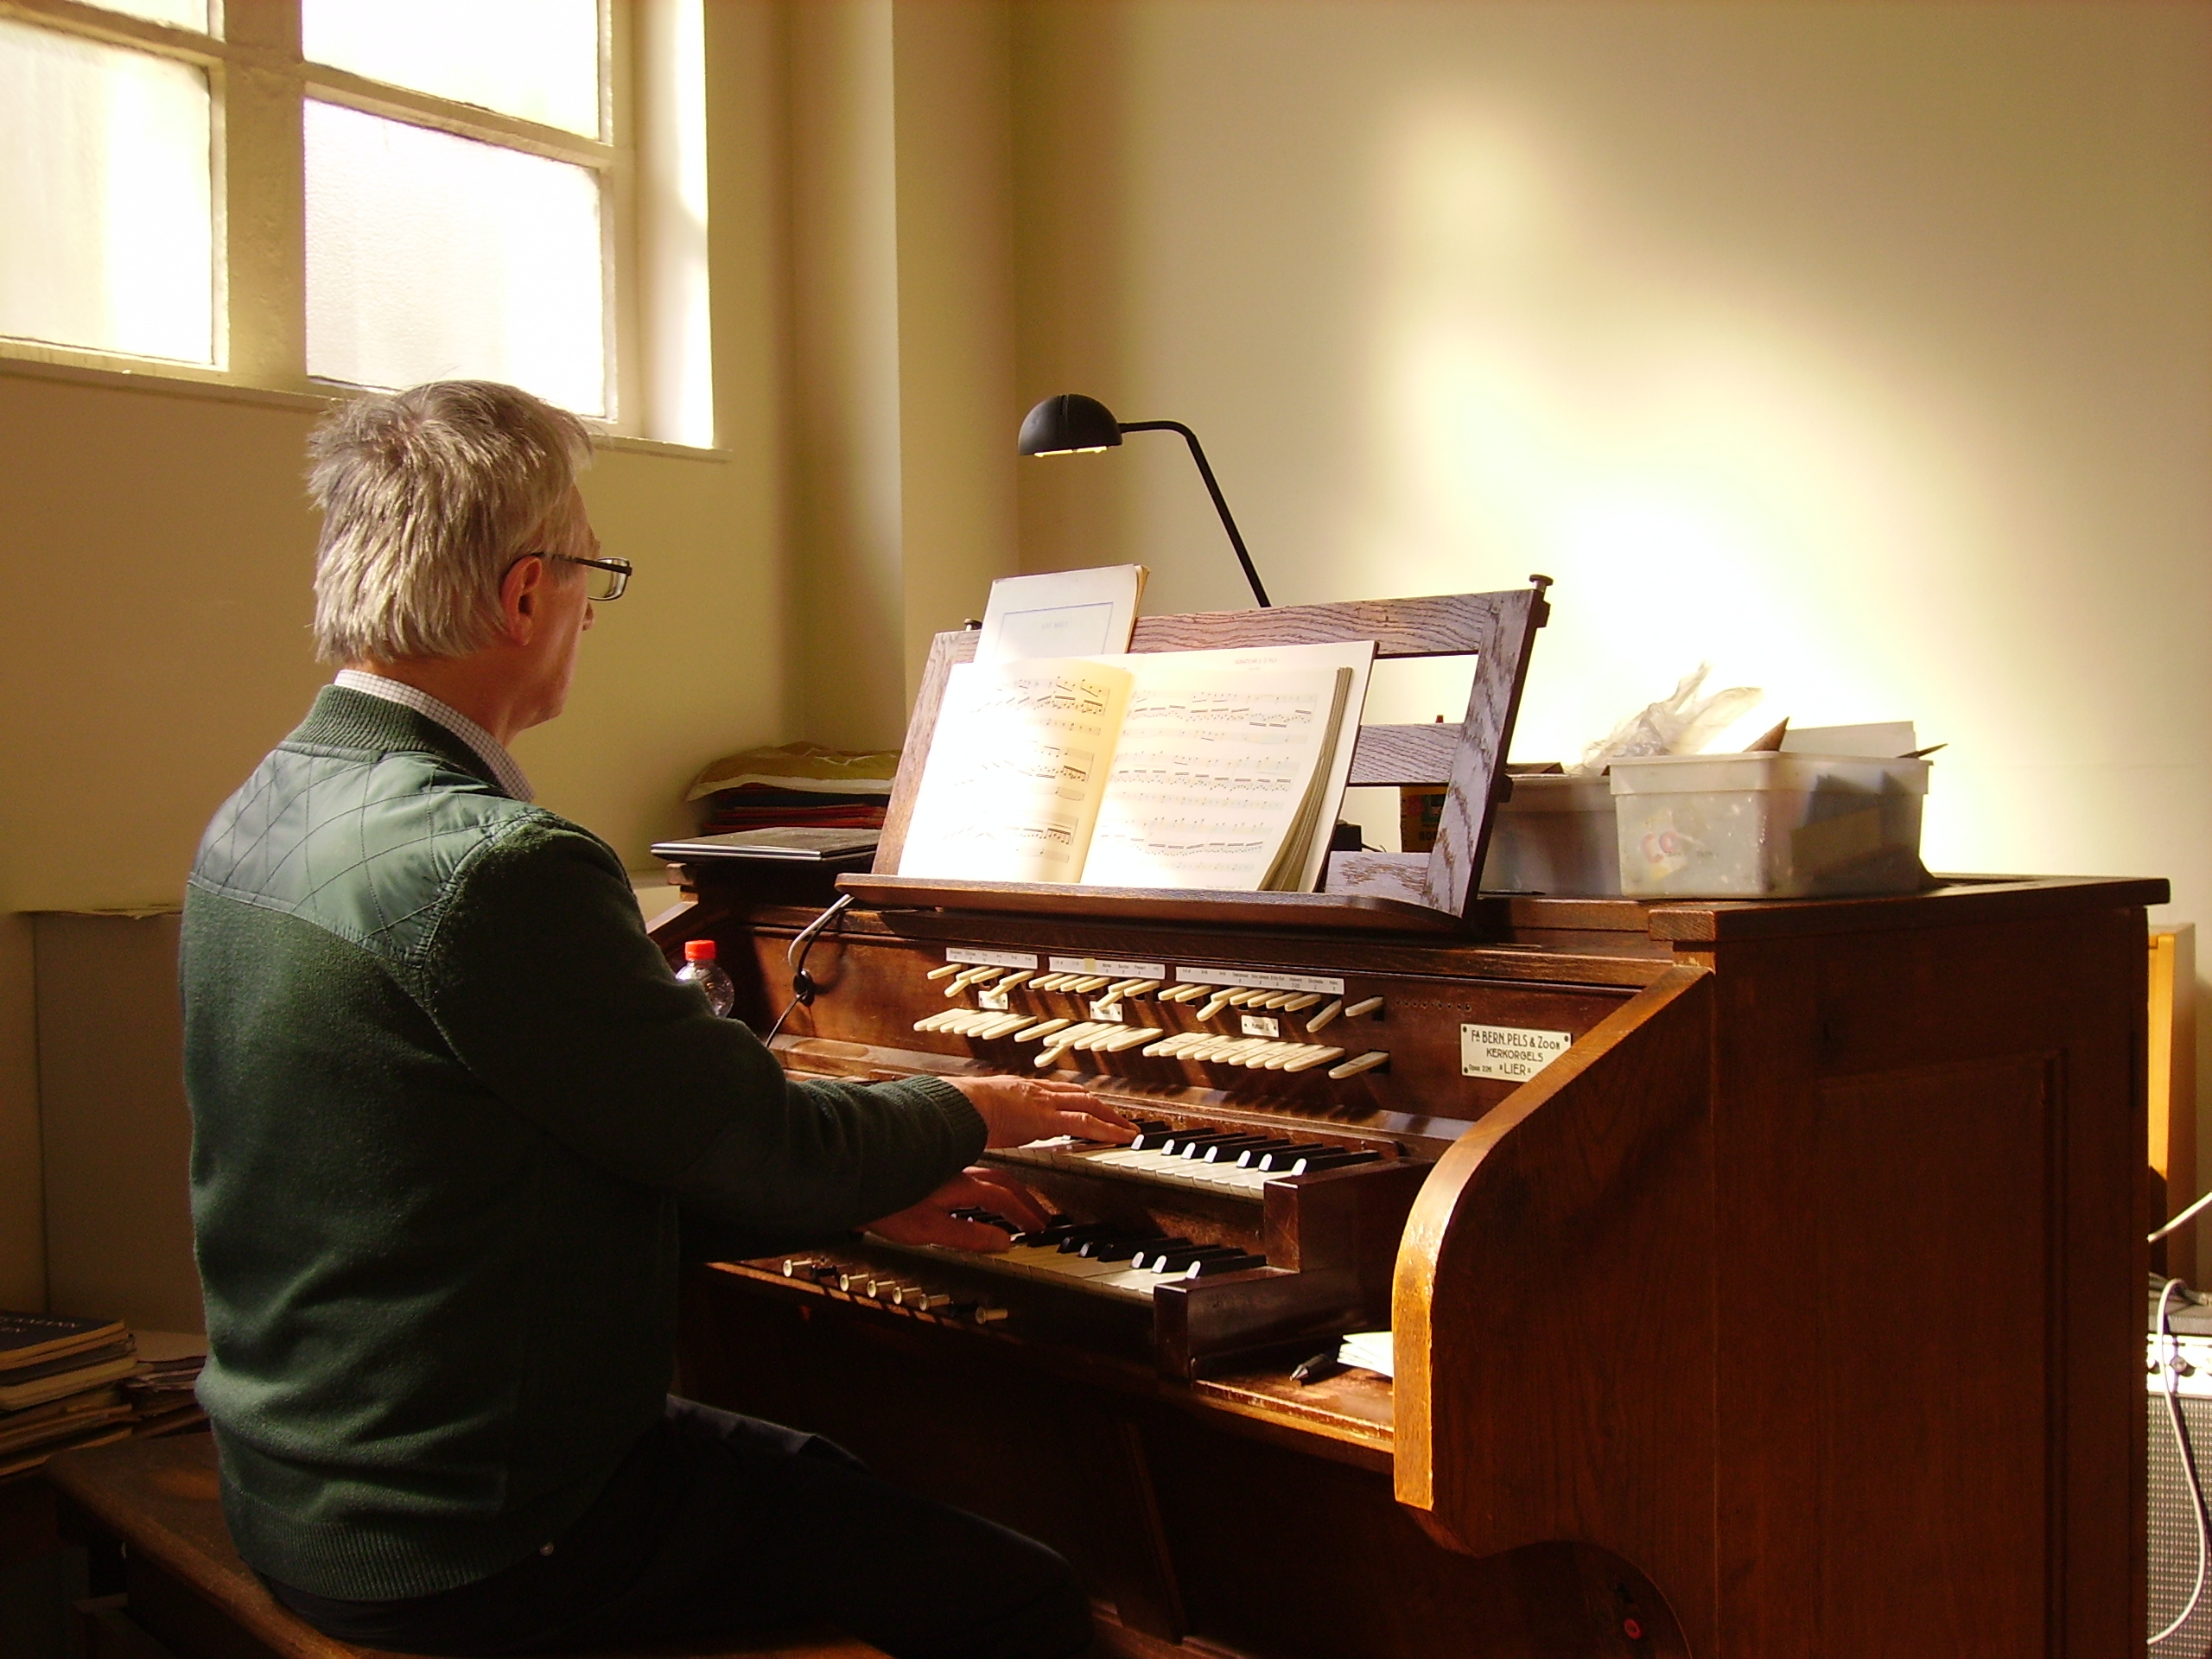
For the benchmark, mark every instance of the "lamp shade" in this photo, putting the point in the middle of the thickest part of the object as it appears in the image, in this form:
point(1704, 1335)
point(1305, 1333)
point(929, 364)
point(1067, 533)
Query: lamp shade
point(1069, 423)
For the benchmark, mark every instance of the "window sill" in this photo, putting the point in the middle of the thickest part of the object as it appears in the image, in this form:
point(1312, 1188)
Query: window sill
point(188, 380)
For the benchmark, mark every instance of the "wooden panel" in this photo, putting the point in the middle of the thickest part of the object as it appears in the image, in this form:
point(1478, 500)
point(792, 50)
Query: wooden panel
point(1402, 876)
point(1404, 754)
point(1187, 1516)
point(1308, 911)
point(1478, 766)
point(1497, 628)
point(1553, 1310)
point(945, 650)
point(1939, 1294)
point(1957, 902)
point(1440, 624)
point(1979, 1006)
point(2171, 1076)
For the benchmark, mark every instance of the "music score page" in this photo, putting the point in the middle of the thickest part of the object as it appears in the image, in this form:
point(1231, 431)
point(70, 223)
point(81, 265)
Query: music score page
point(1016, 768)
point(1214, 769)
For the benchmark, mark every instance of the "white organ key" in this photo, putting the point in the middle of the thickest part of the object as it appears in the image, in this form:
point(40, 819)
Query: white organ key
point(1277, 999)
point(1015, 979)
point(1130, 1037)
point(1367, 1062)
point(1143, 988)
point(1043, 1028)
point(1325, 1015)
point(1184, 994)
point(1051, 1058)
point(945, 972)
point(1372, 1005)
point(1311, 1055)
point(1303, 1001)
point(1220, 1001)
point(1246, 999)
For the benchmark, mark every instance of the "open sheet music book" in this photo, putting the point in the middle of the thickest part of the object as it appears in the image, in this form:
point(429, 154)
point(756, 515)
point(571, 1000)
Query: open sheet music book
point(1202, 769)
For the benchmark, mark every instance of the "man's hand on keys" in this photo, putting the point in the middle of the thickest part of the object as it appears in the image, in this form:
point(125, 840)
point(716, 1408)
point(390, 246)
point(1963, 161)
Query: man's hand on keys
point(1017, 1111)
point(931, 1223)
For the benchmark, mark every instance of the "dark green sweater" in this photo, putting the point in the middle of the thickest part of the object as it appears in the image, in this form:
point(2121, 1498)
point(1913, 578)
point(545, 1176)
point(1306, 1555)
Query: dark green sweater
point(447, 1101)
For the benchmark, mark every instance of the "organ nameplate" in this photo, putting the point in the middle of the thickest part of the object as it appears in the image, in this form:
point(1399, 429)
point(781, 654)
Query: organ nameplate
point(1241, 979)
point(1260, 1025)
point(1508, 1051)
point(1107, 965)
point(981, 958)
point(991, 1001)
point(1107, 1013)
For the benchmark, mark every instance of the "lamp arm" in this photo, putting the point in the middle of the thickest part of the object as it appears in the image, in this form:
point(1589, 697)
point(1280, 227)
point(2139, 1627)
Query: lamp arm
point(1220, 505)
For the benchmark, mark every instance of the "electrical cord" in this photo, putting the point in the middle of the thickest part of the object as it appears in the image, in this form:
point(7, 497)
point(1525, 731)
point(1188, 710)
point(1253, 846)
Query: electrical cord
point(803, 989)
point(2171, 1359)
point(2187, 1214)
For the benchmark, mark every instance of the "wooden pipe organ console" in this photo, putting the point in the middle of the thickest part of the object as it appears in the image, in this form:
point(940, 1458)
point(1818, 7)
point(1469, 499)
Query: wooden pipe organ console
point(1763, 1277)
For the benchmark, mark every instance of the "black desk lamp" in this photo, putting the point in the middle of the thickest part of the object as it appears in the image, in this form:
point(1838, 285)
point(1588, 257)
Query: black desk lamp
point(1072, 424)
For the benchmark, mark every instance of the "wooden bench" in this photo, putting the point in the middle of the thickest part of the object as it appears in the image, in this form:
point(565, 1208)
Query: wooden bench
point(187, 1588)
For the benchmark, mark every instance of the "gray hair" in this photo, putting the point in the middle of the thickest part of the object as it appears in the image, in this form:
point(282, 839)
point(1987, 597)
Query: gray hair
point(427, 496)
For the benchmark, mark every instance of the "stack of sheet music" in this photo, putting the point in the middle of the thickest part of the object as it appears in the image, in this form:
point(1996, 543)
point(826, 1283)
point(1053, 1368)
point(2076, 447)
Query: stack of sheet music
point(795, 784)
point(69, 1383)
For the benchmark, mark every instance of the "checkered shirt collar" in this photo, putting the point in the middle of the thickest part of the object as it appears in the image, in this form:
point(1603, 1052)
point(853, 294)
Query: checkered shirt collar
point(488, 748)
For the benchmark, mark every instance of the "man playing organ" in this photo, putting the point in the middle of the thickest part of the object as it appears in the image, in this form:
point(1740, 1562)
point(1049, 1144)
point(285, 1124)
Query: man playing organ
point(450, 1108)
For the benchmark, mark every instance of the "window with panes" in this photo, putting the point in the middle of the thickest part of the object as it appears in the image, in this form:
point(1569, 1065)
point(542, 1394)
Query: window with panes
point(323, 193)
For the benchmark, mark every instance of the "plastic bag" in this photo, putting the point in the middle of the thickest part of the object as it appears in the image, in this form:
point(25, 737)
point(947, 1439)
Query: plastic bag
point(1682, 724)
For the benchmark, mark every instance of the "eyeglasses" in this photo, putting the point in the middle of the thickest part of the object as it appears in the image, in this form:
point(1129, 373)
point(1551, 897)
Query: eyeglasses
point(608, 577)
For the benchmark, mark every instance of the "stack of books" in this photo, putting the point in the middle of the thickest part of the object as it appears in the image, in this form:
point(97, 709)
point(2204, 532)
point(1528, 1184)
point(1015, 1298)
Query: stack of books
point(68, 1382)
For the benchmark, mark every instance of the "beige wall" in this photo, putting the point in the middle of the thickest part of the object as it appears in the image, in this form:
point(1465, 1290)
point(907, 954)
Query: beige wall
point(153, 644)
point(902, 345)
point(1867, 350)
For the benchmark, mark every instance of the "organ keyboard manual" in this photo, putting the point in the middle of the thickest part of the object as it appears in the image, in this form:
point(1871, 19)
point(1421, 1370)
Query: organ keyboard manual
point(1759, 1278)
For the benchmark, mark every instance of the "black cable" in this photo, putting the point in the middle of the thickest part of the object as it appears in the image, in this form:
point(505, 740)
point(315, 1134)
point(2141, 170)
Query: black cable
point(803, 989)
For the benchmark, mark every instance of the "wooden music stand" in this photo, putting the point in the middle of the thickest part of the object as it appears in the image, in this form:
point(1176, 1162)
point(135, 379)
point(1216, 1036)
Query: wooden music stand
point(1366, 892)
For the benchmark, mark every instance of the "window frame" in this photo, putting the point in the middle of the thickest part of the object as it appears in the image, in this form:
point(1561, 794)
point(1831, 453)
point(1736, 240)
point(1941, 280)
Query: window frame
point(259, 84)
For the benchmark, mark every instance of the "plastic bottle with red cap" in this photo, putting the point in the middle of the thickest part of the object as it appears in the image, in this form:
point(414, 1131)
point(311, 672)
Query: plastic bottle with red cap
point(701, 968)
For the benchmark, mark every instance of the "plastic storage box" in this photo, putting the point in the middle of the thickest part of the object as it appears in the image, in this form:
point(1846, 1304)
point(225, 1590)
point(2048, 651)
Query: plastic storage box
point(1555, 835)
point(1768, 826)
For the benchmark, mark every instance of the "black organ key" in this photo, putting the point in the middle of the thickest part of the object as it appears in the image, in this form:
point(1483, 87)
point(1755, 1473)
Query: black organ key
point(1206, 1265)
point(1072, 1241)
point(1154, 1250)
point(1284, 1158)
point(1182, 1144)
point(1224, 1150)
point(1177, 1261)
point(1336, 1158)
point(1113, 1250)
point(1249, 1157)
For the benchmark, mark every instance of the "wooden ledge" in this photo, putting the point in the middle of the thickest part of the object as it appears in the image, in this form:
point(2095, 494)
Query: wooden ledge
point(1309, 912)
point(190, 1590)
